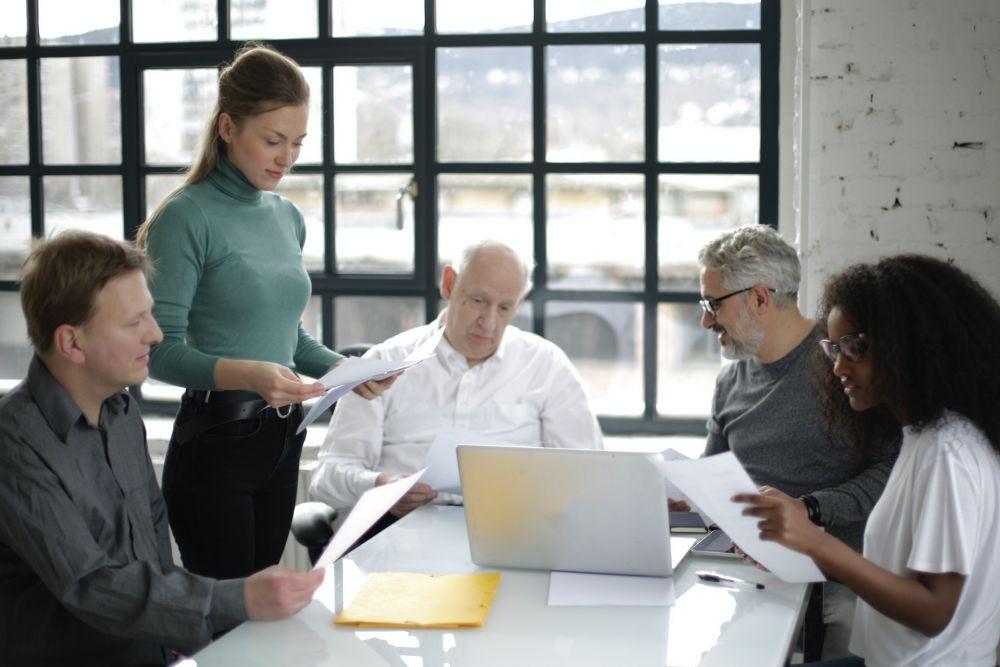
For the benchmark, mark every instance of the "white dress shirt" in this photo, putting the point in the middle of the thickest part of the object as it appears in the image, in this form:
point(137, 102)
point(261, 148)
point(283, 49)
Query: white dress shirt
point(527, 393)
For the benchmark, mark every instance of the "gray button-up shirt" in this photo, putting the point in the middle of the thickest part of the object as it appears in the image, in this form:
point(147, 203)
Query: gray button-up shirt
point(86, 574)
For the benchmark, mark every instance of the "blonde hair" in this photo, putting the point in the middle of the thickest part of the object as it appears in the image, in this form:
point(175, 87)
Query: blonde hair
point(260, 79)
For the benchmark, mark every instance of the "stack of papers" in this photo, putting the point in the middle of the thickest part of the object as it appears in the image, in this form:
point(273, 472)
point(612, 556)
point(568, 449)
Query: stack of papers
point(353, 371)
point(405, 599)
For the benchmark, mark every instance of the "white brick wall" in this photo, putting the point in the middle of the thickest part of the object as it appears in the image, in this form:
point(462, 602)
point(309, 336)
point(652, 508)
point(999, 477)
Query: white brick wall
point(891, 133)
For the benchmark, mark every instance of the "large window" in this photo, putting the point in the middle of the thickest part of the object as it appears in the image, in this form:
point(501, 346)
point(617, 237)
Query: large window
point(606, 139)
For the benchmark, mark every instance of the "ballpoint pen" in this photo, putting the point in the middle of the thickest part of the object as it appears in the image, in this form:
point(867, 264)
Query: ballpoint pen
point(723, 579)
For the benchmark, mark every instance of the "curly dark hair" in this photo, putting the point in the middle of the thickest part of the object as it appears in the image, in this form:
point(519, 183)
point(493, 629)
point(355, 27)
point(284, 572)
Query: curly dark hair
point(933, 331)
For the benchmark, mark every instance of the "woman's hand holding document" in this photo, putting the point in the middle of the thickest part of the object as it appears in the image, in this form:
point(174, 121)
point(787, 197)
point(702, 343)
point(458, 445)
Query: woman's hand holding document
point(353, 371)
point(711, 483)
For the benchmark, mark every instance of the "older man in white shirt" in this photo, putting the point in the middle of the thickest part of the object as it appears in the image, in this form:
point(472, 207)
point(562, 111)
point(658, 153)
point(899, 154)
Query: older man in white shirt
point(486, 378)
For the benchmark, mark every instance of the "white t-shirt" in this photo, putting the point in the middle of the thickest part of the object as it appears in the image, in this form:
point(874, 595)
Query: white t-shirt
point(938, 514)
point(527, 393)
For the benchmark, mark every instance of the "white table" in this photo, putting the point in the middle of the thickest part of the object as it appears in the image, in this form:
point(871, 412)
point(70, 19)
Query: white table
point(708, 625)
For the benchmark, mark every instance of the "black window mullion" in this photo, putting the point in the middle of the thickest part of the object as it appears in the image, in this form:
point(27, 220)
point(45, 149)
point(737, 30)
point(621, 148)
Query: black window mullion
point(425, 207)
point(769, 102)
point(222, 7)
point(133, 194)
point(650, 367)
point(538, 162)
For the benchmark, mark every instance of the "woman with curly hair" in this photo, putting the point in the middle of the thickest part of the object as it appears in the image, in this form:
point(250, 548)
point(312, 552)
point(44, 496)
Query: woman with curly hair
point(913, 346)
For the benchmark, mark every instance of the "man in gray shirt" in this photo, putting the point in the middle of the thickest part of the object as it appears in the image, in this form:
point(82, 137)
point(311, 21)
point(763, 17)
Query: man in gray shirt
point(766, 407)
point(86, 575)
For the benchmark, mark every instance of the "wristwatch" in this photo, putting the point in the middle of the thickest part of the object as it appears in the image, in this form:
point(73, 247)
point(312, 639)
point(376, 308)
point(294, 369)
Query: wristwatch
point(812, 509)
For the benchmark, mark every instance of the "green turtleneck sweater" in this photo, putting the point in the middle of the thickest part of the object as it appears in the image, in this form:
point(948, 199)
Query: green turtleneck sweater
point(230, 282)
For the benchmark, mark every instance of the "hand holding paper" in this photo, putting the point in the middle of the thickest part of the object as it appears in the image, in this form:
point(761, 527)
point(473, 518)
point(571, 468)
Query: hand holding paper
point(711, 483)
point(370, 507)
point(355, 370)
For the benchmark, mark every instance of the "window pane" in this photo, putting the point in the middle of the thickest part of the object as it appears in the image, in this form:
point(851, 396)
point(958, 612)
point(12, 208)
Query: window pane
point(160, 391)
point(595, 234)
point(594, 16)
point(312, 146)
point(373, 114)
point(463, 16)
point(93, 203)
point(476, 207)
point(363, 319)
point(177, 103)
point(188, 21)
point(484, 104)
point(306, 192)
point(312, 318)
point(15, 225)
point(374, 224)
point(273, 19)
point(158, 186)
point(595, 103)
point(604, 342)
point(14, 112)
point(15, 350)
point(693, 210)
point(709, 103)
point(709, 14)
point(353, 18)
point(91, 22)
point(688, 359)
point(14, 24)
point(81, 113)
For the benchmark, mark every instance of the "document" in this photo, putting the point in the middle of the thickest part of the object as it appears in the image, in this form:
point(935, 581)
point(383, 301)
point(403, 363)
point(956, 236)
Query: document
point(353, 371)
point(581, 589)
point(675, 493)
point(711, 482)
point(370, 507)
point(407, 599)
point(441, 460)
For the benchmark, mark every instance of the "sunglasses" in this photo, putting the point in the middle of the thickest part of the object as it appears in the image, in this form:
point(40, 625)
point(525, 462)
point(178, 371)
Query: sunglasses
point(852, 346)
point(711, 306)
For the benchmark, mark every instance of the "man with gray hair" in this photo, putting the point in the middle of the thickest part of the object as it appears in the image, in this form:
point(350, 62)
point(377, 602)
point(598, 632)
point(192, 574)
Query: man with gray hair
point(766, 408)
point(488, 382)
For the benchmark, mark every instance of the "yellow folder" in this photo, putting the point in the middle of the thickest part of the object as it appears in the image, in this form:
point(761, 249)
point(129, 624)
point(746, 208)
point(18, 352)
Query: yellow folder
point(405, 599)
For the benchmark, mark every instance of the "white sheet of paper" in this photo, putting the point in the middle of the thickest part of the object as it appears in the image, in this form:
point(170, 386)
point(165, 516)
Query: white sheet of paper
point(370, 507)
point(323, 404)
point(442, 461)
point(354, 370)
point(362, 369)
point(578, 589)
point(711, 482)
point(674, 492)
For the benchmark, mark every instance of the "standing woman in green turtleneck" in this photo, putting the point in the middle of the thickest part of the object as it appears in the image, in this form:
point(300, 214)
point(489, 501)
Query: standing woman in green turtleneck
point(229, 291)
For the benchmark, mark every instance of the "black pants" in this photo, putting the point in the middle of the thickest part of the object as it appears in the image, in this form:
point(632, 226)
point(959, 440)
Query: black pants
point(230, 491)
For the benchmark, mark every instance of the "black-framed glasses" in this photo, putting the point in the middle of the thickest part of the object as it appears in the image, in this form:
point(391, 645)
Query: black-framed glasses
point(711, 306)
point(852, 346)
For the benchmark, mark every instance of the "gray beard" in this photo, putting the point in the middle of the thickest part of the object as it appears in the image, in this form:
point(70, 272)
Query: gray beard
point(747, 343)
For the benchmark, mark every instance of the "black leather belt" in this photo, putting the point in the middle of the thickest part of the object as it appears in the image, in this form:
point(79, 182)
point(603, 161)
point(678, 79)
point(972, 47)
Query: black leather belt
point(223, 407)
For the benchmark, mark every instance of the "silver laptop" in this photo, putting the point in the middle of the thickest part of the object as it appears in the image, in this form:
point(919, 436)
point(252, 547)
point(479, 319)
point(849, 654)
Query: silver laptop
point(565, 509)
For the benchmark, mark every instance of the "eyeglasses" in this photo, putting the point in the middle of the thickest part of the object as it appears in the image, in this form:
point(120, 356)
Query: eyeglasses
point(711, 306)
point(852, 346)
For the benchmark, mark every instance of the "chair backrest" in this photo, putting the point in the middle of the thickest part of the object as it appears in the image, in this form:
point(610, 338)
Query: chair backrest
point(355, 349)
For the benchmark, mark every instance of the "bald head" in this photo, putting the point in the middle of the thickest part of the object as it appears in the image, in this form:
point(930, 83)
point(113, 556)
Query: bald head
point(483, 293)
point(497, 254)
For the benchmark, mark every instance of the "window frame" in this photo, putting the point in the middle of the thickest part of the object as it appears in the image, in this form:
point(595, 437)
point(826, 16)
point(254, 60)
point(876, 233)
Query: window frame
point(421, 52)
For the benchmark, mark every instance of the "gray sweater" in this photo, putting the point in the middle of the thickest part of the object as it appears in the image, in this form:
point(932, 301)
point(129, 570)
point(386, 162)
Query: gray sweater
point(769, 415)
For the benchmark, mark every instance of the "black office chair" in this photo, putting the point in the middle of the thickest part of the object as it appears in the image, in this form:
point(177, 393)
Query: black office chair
point(312, 522)
point(312, 527)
